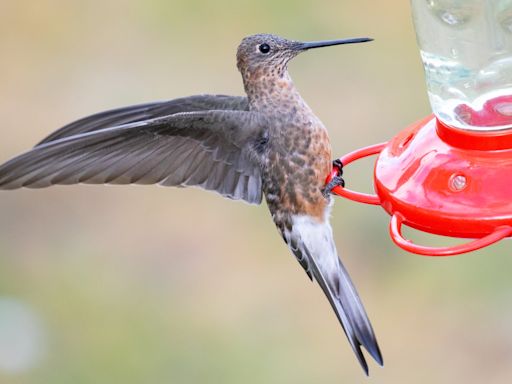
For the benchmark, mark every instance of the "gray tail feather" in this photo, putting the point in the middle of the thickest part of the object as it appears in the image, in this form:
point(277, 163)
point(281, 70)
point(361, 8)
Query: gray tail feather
point(347, 305)
point(313, 245)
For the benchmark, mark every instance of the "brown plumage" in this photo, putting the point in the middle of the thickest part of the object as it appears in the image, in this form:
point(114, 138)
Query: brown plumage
point(269, 143)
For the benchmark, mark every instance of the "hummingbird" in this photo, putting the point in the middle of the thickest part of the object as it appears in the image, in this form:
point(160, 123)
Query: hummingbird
point(268, 143)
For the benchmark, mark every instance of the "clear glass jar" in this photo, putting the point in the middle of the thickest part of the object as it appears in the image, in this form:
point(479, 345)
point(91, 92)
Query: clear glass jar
point(466, 49)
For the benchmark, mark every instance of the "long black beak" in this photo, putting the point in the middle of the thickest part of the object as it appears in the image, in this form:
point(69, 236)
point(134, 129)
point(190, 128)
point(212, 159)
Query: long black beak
point(328, 43)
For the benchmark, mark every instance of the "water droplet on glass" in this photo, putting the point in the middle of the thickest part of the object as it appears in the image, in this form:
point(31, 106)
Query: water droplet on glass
point(452, 12)
point(450, 18)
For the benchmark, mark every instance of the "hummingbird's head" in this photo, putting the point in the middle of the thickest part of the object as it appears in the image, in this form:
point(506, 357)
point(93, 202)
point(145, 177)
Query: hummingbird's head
point(258, 54)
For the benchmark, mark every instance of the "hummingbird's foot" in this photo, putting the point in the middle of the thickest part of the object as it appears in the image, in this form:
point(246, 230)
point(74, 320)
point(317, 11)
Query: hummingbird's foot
point(336, 180)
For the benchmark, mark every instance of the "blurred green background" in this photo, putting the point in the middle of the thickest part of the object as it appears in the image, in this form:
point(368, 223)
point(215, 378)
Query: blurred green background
point(156, 285)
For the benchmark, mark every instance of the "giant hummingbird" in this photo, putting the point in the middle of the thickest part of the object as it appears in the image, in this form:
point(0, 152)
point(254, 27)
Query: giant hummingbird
point(268, 143)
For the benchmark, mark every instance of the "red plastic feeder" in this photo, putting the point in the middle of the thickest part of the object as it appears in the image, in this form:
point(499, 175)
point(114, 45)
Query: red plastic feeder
point(452, 174)
point(444, 181)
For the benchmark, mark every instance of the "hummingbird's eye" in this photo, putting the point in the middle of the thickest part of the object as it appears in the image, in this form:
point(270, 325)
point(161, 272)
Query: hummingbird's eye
point(264, 48)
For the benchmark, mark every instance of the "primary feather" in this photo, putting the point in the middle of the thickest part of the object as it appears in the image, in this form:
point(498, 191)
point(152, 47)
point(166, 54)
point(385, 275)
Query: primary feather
point(148, 111)
point(205, 149)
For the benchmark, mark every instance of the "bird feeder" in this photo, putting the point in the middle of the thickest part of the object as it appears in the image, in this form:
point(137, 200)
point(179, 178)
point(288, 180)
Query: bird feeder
point(451, 173)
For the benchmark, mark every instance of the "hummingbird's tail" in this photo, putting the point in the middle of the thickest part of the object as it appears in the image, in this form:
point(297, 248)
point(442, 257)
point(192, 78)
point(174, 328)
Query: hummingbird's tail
point(313, 244)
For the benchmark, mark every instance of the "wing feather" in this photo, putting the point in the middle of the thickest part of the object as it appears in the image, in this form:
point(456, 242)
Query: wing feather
point(141, 112)
point(209, 149)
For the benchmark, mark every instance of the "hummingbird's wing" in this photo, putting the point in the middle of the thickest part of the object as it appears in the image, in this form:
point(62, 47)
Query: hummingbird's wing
point(313, 244)
point(210, 149)
point(148, 111)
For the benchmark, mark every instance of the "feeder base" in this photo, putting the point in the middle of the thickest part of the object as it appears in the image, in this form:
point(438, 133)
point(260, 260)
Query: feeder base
point(440, 186)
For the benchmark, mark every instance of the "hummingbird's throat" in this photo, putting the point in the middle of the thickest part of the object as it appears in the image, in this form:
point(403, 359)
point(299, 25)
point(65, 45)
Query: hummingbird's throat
point(269, 89)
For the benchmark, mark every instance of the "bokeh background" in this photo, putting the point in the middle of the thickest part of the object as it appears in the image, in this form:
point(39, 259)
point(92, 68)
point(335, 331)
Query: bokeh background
point(154, 285)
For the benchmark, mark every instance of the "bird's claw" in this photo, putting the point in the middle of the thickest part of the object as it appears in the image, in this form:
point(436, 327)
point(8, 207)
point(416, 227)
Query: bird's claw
point(337, 180)
point(338, 165)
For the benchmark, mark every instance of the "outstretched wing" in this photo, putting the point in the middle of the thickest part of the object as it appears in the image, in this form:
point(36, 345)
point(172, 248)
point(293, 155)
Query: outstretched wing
point(313, 245)
point(131, 114)
point(209, 149)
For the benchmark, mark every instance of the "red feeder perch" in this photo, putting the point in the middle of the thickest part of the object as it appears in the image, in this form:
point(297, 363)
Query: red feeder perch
point(451, 173)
